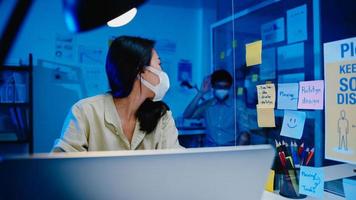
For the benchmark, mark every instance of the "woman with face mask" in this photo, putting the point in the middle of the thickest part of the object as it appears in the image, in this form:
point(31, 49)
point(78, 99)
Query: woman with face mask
point(131, 116)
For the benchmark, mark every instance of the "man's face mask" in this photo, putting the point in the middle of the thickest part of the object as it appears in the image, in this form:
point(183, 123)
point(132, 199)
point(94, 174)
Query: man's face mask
point(221, 94)
point(221, 90)
point(163, 85)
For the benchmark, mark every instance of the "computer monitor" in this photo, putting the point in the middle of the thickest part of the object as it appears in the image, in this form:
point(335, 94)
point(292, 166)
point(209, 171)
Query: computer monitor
point(202, 173)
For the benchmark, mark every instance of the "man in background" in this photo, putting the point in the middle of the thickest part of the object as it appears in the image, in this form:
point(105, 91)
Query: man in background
point(219, 112)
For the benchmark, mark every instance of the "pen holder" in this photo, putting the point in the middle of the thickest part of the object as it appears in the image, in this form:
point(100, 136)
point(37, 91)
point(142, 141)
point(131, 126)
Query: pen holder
point(289, 184)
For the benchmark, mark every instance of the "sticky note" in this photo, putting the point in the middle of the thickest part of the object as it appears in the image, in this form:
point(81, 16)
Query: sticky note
point(222, 55)
point(270, 181)
point(234, 44)
point(297, 24)
point(287, 96)
point(266, 95)
point(254, 77)
point(268, 66)
point(311, 95)
point(349, 185)
point(293, 124)
point(240, 91)
point(311, 181)
point(265, 117)
point(273, 31)
point(254, 53)
point(290, 56)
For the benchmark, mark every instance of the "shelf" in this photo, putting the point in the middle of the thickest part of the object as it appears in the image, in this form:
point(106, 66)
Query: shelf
point(14, 104)
point(15, 142)
point(16, 68)
point(23, 135)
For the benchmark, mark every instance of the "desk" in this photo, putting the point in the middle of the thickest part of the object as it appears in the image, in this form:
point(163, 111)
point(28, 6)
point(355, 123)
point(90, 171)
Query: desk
point(331, 173)
point(275, 196)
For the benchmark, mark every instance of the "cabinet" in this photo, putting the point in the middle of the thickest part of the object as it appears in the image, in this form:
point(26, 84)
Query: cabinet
point(16, 108)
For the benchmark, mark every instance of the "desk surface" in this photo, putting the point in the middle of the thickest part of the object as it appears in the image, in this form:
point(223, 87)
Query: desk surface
point(275, 196)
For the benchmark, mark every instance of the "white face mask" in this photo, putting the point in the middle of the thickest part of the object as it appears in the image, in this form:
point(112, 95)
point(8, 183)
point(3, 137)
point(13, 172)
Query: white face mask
point(163, 85)
point(221, 93)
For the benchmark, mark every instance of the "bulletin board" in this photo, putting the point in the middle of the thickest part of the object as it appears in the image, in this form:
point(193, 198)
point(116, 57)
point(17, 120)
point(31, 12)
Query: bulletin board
point(287, 32)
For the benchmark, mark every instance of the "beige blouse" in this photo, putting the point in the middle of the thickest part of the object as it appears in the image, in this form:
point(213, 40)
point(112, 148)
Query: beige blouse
point(94, 125)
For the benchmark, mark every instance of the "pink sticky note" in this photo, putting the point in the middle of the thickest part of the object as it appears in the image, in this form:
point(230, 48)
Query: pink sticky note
point(311, 95)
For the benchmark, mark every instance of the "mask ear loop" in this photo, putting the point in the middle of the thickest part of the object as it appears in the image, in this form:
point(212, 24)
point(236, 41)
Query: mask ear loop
point(139, 76)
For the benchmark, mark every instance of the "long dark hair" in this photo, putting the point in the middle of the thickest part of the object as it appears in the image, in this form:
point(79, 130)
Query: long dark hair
point(126, 59)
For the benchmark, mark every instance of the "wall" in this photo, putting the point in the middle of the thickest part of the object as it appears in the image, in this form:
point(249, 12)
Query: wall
point(44, 33)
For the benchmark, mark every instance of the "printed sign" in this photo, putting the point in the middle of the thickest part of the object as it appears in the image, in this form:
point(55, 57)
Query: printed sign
point(340, 100)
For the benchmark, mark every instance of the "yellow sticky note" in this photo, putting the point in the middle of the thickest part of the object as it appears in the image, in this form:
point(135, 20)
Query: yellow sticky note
point(240, 91)
point(270, 182)
point(222, 55)
point(266, 95)
point(254, 53)
point(234, 44)
point(265, 117)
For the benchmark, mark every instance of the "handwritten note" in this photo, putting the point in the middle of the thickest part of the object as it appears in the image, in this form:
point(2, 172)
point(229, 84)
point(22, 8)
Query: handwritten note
point(288, 96)
point(311, 95)
point(266, 95)
point(293, 124)
point(265, 117)
point(254, 53)
point(311, 181)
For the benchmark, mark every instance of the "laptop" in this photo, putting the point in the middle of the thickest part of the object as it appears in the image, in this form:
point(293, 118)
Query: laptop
point(198, 174)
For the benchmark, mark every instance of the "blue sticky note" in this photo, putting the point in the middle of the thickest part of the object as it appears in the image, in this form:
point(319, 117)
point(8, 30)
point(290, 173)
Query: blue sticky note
point(349, 188)
point(293, 124)
point(288, 96)
point(290, 56)
point(311, 181)
point(297, 29)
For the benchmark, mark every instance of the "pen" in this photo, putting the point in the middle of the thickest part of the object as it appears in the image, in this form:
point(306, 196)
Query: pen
point(295, 146)
point(288, 152)
point(292, 175)
point(288, 158)
point(277, 145)
point(294, 155)
point(304, 154)
point(282, 157)
point(284, 146)
point(310, 155)
point(300, 150)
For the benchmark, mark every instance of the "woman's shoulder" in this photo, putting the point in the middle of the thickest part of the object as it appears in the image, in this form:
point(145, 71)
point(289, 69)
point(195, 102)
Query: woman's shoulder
point(98, 100)
point(166, 118)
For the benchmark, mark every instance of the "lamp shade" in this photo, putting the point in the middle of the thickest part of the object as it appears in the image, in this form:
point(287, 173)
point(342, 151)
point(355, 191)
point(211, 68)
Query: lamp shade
point(85, 15)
